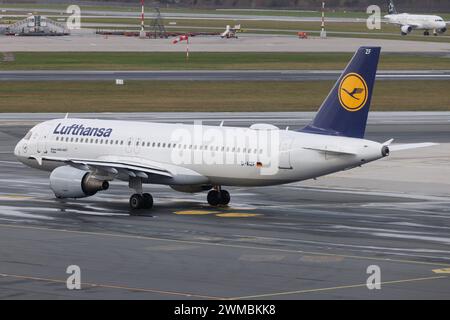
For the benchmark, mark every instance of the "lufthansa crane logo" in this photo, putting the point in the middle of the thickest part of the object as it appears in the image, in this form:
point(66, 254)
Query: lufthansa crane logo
point(353, 92)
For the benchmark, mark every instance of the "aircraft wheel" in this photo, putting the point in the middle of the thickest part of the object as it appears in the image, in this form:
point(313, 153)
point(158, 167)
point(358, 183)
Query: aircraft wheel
point(148, 201)
point(224, 197)
point(426, 33)
point(213, 198)
point(136, 201)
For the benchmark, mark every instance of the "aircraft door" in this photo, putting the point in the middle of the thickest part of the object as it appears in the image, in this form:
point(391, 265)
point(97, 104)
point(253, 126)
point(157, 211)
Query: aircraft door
point(285, 154)
point(42, 141)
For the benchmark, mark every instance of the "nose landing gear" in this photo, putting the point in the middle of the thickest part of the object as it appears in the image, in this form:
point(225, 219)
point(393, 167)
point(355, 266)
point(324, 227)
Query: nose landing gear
point(218, 197)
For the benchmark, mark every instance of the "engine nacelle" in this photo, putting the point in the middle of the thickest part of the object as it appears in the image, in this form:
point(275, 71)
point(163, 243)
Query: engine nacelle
point(406, 29)
point(69, 182)
point(443, 30)
point(191, 188)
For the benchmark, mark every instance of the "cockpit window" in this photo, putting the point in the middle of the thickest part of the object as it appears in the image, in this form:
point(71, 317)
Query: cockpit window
point(28, 135)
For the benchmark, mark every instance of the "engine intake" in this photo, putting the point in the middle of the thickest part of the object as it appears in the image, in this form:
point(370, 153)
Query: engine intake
point(385, 151)
point(406, 29)
point(69, 182)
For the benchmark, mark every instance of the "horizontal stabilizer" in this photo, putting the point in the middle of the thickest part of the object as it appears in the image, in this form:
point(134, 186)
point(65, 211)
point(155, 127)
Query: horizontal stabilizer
point(333, 149)
point(399, 147)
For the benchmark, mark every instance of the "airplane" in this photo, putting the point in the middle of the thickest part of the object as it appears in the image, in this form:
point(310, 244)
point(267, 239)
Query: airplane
point(410, 22)
point(231, 32)
point(85, 155)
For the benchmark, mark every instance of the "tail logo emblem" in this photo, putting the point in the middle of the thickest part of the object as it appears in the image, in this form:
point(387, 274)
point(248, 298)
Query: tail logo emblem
point(353, 92)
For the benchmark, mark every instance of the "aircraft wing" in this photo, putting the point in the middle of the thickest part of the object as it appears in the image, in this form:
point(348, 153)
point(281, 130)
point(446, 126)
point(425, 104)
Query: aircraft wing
point(133, 167)
point(399, 147)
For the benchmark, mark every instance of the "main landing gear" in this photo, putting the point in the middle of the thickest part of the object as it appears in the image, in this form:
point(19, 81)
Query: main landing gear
point(139, 200)
point(218, 197)
point(426, 33)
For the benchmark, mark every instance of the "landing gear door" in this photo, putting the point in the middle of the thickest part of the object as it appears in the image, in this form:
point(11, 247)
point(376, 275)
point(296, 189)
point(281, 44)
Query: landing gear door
point(285, 154)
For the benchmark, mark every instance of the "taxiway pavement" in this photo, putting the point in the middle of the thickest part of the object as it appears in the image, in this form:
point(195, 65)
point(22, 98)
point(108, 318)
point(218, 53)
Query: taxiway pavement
point(313, 239)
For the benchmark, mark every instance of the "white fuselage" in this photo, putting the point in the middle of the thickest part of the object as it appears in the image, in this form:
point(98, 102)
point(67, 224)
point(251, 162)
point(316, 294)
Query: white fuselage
point(298, 156)
point(417, 21)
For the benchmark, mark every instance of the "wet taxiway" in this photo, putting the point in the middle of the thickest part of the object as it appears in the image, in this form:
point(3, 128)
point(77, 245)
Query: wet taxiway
point(313, 239)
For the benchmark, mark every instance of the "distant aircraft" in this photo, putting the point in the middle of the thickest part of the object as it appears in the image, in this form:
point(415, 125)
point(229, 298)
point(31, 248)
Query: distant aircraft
point(85, 155)
point(231, 32)
point(410, 22)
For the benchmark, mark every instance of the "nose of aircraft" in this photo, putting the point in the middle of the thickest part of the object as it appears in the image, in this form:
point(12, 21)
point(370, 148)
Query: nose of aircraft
point(17, 150)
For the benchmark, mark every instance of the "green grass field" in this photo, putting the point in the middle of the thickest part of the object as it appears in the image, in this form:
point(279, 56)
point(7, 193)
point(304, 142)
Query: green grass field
point(140, 96)
point(214, 61)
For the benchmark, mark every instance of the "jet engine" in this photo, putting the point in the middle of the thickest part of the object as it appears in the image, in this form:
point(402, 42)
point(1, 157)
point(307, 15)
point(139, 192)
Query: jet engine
point(191, 188)
point(69, 182)
point(406, 29)
point(443, 30)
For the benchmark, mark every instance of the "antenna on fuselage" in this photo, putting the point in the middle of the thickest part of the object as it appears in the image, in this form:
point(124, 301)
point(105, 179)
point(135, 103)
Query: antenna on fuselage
point(67, 115)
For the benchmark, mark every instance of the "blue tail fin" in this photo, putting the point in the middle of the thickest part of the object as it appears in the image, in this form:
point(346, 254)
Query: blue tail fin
point(345, 110)
point(391, 7)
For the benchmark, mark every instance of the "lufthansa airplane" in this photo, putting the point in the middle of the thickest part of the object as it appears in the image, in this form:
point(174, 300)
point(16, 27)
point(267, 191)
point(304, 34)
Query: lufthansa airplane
point(83, 155)
point(409, 22)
